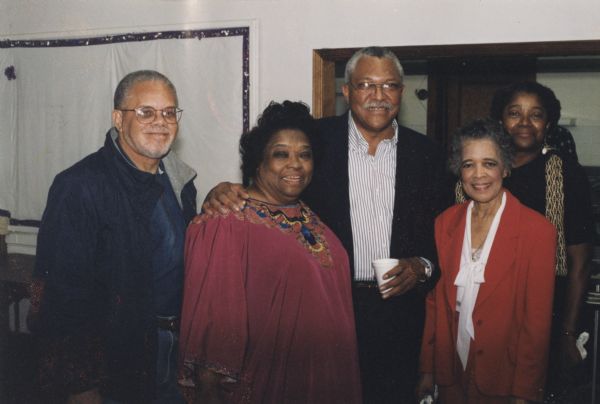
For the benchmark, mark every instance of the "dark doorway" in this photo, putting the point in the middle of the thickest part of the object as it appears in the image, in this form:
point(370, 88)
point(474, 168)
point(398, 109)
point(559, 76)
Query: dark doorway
point(461, 89)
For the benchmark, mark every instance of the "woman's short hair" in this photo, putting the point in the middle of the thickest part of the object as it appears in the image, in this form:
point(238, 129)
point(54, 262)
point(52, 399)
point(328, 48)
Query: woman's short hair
point(481, 129)
point(504, 96)
point(276, 117)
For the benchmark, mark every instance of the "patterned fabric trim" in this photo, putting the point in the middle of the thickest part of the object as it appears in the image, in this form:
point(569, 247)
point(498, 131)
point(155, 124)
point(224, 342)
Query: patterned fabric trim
point(306, 227)
point(190, 386)
point(555, 209)
point(191, 366)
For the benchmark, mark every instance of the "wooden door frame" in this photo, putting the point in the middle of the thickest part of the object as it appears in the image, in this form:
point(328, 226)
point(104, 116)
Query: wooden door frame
point(324, 60)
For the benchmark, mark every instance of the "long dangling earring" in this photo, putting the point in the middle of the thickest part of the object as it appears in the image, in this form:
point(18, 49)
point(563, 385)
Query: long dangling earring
point(459, 195)
point(546, 147)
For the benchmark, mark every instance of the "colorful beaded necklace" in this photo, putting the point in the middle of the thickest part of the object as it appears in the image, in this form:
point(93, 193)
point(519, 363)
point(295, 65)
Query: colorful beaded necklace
point(304, 224)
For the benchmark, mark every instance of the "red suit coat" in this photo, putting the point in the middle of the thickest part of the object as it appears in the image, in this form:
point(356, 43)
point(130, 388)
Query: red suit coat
point(512, 314)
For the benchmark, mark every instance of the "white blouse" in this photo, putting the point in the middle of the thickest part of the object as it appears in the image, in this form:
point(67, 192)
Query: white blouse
point(470, 276)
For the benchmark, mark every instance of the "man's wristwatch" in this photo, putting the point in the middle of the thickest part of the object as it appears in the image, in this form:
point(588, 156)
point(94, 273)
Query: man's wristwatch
point(428, 268)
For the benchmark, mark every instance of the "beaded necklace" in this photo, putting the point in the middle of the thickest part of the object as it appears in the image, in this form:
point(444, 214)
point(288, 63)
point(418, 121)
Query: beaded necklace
point(303, 224)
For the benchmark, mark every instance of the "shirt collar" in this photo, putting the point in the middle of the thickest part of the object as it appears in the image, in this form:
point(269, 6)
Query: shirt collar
point(358, 142)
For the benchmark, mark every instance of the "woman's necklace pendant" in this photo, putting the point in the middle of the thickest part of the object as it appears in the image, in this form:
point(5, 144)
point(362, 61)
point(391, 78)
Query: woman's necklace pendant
point(476, 254)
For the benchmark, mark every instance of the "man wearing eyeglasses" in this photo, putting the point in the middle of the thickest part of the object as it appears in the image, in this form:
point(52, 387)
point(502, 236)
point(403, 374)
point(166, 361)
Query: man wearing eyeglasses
point(378, 186)
point(109, 264)
point(384, 185)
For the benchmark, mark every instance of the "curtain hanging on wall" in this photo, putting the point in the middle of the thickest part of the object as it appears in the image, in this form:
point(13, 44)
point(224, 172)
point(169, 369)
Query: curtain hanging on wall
point(56, 103)
point(8, 132)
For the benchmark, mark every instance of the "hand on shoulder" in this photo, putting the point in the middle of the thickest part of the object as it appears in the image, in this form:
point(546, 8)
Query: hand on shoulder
point(224, 198)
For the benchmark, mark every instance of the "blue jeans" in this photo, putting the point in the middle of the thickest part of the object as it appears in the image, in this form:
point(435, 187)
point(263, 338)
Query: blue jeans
point(167, 390)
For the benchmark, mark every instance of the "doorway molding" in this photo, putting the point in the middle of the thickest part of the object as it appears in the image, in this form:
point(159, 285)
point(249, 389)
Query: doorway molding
point(324, 60)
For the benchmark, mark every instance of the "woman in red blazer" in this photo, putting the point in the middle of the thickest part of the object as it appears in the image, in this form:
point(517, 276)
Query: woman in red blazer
point(488, 319)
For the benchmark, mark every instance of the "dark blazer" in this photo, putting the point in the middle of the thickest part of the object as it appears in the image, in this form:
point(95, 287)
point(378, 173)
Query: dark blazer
point(423, 188)
point(512, 313)
point(389, 331)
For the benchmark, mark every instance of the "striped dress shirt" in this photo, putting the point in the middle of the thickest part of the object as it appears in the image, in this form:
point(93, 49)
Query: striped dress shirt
point(372, 189)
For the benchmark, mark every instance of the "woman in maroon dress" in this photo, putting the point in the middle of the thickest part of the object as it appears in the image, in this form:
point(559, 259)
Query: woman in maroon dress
point(267, 313)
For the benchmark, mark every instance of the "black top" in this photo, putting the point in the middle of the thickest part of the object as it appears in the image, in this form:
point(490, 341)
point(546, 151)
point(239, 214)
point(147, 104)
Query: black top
point(528, 184)
point(561, 140)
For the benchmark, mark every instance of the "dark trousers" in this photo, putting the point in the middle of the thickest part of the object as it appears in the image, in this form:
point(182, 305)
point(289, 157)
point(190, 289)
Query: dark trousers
point(389, 340)
point(167, 390)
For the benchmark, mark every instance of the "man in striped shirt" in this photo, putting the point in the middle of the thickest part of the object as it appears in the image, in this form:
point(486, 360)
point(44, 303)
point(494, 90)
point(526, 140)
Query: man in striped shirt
point(378, 186)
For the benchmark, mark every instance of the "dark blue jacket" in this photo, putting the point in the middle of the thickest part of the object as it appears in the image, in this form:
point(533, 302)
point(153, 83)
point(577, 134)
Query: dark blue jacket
point(96, 319)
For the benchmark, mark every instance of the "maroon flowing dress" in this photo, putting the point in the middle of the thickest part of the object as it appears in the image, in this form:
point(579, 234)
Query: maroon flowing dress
point(267, 302)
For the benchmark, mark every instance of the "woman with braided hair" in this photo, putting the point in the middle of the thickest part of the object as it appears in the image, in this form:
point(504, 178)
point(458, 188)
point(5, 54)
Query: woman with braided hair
point(556, 186)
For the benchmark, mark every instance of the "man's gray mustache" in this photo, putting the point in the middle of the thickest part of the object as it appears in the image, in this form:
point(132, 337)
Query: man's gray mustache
point(372, 104)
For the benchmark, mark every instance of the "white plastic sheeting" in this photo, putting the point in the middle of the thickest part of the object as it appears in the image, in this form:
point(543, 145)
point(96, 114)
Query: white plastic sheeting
point(57, 108)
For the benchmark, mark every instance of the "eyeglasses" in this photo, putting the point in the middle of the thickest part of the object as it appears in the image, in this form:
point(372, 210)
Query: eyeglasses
point(148, 114)
point(369, 88)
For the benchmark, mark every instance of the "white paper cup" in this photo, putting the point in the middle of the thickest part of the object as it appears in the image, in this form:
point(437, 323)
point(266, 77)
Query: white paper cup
point(381, 266)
